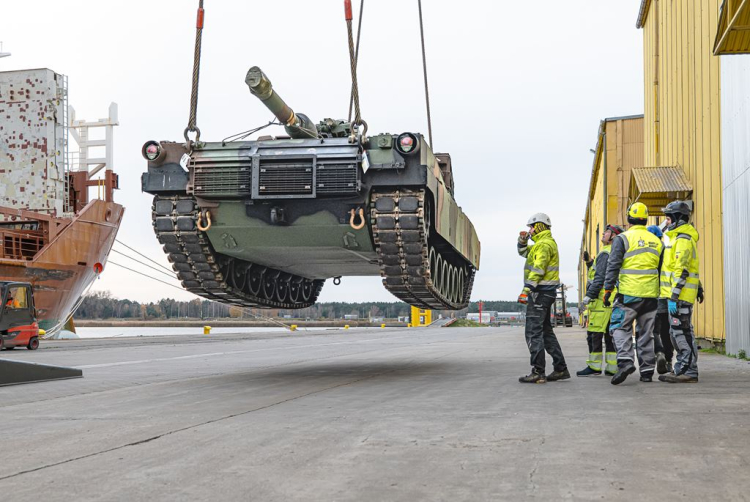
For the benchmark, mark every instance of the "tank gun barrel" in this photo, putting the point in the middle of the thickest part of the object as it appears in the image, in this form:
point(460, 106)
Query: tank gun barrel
point(296, 125)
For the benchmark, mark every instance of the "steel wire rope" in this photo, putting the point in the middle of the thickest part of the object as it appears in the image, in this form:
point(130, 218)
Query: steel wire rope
point(144, 256)
point(243, 309)
point(193, 120)
point(352, 61)
point(356, 55)
point(424, 69)
point(144, 264)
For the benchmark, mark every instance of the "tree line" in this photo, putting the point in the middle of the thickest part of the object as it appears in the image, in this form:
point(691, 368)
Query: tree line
point(102, 305)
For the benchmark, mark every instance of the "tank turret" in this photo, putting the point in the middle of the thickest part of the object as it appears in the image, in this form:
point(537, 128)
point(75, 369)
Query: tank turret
point(297, 125)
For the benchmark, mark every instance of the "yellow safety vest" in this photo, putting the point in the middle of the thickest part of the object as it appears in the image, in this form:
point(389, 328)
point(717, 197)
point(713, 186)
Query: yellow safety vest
point(542, 262)
point(680, 255)
point(639, 274)
point(599, 314)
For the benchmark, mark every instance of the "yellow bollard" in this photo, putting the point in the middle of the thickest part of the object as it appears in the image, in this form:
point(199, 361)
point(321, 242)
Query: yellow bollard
point(293, 327)
point(408, 325)
point(346, 326)
point(206, 330)
point(382, 325)
point(42, 332)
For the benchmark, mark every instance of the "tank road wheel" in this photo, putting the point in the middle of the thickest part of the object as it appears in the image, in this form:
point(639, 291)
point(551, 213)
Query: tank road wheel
point(282, 287)
point(295, 289)
point(459, 284)
point(308, 288)
point(238, 275)
point(33, 343)
point(255, 280)
point(451, 283)
point(270, 281)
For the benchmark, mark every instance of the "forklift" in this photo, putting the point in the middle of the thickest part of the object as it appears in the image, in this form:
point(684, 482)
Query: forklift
point(18, 324)
point(560, 315)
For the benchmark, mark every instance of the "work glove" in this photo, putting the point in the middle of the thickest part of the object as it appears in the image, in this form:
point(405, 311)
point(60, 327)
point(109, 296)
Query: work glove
point(586, 300)
point(523, 238)
point(700, 294)
point(523, 298)
point(586, 257)
point(607, 294)
point(672, 307)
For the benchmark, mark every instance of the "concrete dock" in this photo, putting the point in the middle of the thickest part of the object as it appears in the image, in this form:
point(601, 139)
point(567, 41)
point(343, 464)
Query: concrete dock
point(364, 415)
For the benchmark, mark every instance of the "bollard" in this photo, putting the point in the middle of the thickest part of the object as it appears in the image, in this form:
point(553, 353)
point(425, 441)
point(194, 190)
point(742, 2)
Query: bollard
point(346, 326)
point(42, 332)
point(382, 325)
point(206, 330)
point(408, 325)
point(293, 327)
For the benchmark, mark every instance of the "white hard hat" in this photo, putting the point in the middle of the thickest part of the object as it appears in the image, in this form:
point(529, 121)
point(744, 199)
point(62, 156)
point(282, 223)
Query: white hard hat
point(539, 218)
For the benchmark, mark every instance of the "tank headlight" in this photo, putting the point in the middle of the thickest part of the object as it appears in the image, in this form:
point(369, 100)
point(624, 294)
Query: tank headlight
point(407, 143)
point(152, 150)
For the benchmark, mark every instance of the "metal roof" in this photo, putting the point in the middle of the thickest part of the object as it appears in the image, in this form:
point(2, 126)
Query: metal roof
point(658, 186)
point(733, 34)
point(643, 13)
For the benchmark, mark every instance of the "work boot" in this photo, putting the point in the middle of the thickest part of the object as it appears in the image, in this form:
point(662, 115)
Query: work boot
point(534, 377)
point(622, 374)
point(610, 373)
point(558, 375)
point(587, 371)
point(672, 378)
point(661, 363)
point(648, 377)
point(669, 367)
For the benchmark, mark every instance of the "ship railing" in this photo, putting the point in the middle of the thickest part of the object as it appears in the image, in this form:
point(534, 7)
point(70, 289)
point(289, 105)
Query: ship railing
point(20, 244)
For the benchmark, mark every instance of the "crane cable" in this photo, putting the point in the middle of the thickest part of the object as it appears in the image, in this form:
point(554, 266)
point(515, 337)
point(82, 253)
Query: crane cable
point(356, 55)
point(144, 256)
point(424, 69)
point(353, 63)
point(193, 120)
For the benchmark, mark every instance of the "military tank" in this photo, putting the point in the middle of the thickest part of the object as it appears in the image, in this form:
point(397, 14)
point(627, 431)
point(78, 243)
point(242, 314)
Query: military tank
point(264, 223)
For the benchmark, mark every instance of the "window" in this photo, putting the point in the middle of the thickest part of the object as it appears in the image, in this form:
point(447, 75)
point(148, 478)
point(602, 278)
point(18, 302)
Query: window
point(17, 298)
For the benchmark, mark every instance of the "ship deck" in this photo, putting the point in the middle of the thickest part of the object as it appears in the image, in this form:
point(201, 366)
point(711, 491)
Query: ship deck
point(365, 414)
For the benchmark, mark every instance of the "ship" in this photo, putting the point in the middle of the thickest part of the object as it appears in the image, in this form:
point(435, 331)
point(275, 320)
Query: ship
point(58, 218)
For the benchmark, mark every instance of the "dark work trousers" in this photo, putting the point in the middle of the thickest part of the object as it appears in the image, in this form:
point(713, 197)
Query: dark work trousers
point(662, 338)
point(595, 341)
point(683, 339)
point(539, 334)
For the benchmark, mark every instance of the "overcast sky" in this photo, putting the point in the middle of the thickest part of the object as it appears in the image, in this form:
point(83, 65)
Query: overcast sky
point(517, 92)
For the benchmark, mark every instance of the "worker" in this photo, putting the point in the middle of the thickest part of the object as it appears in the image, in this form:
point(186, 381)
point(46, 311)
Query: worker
point(634, 266)
point(681, 287)
point(541, 280)
point(598, 329)
point(662, 341)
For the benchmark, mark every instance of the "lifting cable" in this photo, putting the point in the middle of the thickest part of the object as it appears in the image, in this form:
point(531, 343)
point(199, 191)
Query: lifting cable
point(356, 55)
point(353, 63)
point(172, 276)
point(424, 69)
point(193, 120)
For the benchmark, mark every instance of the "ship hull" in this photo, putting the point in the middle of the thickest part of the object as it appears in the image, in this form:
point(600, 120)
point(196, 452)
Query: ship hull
point(65, 267)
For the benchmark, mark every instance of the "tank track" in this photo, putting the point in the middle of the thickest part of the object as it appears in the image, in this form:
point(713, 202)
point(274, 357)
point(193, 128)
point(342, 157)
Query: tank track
point(218, 277)
point(417, 266)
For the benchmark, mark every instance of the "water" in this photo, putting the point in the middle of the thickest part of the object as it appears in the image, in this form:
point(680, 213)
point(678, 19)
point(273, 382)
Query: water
point(181, 331)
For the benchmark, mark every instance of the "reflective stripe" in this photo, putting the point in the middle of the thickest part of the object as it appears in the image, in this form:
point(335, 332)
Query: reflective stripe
point(641, 251)
point(549, 283)
point(665, 273)
point(690, 286)
point(665, 284)
point(531, 283)
point(694, 276)
point(533, 269)
point(652, 271)
point(553, 269)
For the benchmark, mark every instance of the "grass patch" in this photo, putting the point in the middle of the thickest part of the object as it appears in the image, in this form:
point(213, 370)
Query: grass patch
point(466, 323)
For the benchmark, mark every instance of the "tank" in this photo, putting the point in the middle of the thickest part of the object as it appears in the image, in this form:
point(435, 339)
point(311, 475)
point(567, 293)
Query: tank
point(264, 223)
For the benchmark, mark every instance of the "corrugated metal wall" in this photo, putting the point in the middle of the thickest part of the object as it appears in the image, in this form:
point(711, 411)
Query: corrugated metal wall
point(624, 152)
point(688, 124)
point(735, 150)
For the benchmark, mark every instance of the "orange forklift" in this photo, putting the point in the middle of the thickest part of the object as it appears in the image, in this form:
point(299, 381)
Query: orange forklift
point(18, 325)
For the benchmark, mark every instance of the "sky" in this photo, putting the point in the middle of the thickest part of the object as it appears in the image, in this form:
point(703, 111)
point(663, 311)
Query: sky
point(517, 90)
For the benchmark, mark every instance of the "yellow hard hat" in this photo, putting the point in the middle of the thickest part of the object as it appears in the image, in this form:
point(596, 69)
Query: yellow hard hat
point(638, 211)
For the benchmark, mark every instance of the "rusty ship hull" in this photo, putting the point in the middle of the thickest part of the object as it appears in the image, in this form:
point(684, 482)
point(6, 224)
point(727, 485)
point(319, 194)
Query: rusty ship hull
point(60, 257)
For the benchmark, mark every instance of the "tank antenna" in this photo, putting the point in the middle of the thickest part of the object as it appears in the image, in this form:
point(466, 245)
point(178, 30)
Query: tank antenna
point(424, 68)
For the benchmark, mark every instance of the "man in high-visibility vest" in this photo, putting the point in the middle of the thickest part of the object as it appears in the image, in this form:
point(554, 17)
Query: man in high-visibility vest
point(680, 285)
point(599, 315)
point(662, 339)
point(541, 280)
point(633, 266)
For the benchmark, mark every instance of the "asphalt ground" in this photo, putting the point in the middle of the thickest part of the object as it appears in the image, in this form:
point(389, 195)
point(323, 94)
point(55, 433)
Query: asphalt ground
point(364, 415)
